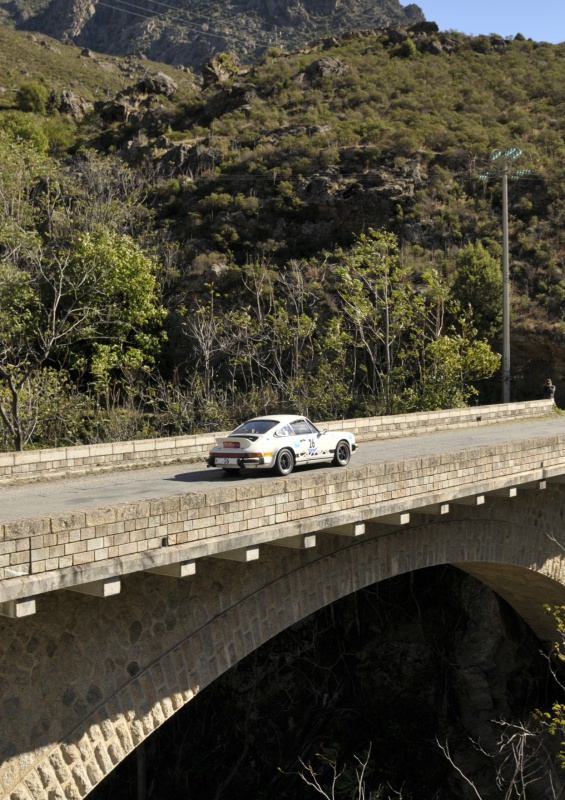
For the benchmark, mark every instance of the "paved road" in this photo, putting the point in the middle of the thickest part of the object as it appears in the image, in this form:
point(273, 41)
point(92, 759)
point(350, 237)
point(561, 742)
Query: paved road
point(92, 491)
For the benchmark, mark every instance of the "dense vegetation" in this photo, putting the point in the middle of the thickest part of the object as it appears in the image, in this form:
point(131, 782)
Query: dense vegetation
point(308, 232)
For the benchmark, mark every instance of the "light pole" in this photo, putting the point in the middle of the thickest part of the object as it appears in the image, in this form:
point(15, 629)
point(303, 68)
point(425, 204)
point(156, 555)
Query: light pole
point(502, 166)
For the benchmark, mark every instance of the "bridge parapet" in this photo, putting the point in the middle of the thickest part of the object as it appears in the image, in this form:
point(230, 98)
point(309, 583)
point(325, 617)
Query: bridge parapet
point(54, 462)
point(76, 548)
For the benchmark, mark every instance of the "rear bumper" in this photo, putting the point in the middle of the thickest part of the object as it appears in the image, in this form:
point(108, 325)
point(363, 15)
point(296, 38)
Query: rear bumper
point(244, 461)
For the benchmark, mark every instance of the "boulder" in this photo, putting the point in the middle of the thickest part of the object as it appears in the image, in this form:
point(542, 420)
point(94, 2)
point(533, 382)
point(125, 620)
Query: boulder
point(216, 70)
point(114, 111)
point(229, 98)
point(74, 106)
point(324, 67)
point(397, 35)
point(425, 27)
point(432, 46)
point(158, 83)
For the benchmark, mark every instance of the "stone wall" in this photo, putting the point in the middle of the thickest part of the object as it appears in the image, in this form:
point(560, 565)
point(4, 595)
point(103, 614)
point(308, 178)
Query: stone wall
point(59, 551)
point(86, 680)
point(33, 464)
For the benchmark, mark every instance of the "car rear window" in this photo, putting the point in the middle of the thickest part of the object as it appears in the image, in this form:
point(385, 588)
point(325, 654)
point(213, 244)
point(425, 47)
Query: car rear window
point(256, 426)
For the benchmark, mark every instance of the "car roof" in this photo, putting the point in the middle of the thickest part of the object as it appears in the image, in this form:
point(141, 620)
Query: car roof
point(277, 418)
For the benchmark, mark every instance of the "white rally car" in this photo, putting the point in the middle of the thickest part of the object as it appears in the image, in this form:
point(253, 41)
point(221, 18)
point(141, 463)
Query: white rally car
point(278, 442)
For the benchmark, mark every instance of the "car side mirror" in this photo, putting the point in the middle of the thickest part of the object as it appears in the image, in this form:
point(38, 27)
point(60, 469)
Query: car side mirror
point(321, 433)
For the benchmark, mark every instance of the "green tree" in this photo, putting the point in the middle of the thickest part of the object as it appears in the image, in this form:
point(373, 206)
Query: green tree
point(407, 49)
point(383, 308)
point(119, 287)
point(32, 96)
point(452, 362)
point(19, 127)
point(96, 304)
point(478, 286)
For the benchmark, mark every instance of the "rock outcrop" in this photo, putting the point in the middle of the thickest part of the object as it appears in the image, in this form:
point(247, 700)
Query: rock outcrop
point(245, 27)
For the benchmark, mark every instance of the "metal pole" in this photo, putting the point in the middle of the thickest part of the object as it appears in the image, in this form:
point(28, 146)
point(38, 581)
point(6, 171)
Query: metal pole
point(505, 291)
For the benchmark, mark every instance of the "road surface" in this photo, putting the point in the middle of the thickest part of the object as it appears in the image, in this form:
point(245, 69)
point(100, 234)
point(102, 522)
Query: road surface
point(22, 501)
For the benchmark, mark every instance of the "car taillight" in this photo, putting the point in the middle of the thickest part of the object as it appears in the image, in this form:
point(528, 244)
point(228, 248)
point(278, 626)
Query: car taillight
point(232, 444)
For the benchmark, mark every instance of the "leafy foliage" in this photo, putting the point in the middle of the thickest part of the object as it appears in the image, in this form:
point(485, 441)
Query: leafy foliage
point(32, 96)
point(315, 229)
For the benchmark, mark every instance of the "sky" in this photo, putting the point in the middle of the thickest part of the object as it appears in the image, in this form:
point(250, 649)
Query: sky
point(541, 20)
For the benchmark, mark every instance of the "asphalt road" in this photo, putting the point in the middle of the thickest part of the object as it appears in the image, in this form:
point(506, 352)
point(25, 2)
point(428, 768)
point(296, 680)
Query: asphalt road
point(92, 491)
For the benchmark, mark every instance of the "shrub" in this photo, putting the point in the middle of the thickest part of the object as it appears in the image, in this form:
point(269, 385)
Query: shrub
point(32, 96)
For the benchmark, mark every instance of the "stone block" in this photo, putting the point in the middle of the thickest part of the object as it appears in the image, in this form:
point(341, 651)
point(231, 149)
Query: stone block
point(124, 737)
point(75, 547)
point(7, 547)
point(82, 558)
point(127, 549)
point(164, 505)
point(101, 516)
point(59, 767)
point(144, 446)
point(33, 784)
point(123, 449)
point(133, 511)
point(20, 529)
point(39, 554)
point(248, 491)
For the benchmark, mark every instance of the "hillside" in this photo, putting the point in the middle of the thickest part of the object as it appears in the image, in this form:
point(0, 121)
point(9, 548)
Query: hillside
point(241, 195)
point(188, 32)
point(62, 67)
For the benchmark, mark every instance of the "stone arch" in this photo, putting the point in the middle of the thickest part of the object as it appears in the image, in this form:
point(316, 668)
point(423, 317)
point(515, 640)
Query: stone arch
point(90, 679)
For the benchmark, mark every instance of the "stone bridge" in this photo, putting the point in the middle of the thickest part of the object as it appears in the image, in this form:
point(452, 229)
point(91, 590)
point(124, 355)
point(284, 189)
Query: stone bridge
point(116, 617)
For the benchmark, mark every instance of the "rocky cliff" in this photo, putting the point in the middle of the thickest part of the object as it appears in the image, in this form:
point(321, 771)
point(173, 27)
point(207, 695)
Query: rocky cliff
point(188, 32)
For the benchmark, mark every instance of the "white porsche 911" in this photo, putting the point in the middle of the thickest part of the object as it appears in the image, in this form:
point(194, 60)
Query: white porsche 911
point(279, 442)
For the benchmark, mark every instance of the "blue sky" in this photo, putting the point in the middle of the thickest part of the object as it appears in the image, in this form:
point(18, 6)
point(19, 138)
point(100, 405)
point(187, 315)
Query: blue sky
point(542, 20)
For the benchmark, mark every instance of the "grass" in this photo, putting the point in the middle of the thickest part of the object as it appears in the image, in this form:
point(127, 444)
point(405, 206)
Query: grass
point(31, 56)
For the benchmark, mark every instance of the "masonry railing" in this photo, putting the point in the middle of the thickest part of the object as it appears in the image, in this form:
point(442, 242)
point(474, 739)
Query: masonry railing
point(54, 462)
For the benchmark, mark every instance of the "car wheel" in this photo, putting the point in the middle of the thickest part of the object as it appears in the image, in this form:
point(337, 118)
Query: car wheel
point(284, 462)
point(342, 454)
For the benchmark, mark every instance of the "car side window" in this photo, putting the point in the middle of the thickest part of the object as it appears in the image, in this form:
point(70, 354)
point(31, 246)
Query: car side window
point(313, 428)
point(301, 426)
point(286, 430)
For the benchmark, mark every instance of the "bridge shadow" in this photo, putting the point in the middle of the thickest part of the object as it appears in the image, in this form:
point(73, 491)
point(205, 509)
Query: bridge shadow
point(219, 476)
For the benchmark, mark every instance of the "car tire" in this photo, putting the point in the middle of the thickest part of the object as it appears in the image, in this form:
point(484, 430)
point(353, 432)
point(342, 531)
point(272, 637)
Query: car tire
point(342, 454)
point(284, 462)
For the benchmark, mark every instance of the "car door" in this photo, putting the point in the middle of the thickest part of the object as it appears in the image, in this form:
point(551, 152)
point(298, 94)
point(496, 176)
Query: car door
point(324, 441)
point(307, 436)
